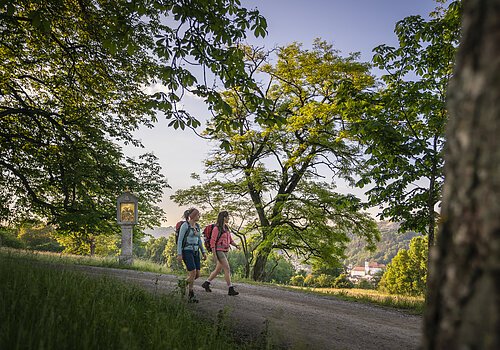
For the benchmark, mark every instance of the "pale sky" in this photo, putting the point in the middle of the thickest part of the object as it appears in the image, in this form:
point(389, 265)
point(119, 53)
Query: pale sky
point(350, 25)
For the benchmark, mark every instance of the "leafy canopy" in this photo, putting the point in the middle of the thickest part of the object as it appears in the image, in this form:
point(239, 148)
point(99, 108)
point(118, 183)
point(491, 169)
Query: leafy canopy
point(275, 168)
point(77, 77)
point(403, 125)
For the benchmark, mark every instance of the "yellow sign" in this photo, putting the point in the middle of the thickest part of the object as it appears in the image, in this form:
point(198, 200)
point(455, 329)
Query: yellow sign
point(127, 212)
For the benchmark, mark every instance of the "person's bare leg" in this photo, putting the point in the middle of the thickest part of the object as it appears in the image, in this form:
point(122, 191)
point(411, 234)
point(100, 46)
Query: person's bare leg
point(227, 272)
point(190, 279)
point(215, 272)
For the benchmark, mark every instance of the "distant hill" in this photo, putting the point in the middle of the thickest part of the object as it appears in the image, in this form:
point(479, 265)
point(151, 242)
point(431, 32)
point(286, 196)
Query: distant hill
point(158, 232)
point(390, 243)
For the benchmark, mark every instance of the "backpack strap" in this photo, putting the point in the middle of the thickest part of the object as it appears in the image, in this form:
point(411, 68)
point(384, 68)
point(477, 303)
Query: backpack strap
point(197, 228)
point(219, 234)
point(184, 239)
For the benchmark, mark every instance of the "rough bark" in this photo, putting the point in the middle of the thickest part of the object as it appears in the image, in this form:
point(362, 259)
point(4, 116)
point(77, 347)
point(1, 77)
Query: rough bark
point(259, 268)
point(463, 310)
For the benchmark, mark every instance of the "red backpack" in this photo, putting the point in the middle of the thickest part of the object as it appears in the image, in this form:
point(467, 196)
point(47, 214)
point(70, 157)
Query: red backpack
point(177, 230)
point(207, 233)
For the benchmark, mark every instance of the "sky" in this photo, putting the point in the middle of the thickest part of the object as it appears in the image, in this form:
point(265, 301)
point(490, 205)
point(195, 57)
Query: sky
point(350, 25)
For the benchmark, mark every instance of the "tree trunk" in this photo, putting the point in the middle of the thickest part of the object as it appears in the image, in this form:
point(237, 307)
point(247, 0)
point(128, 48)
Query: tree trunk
point(260, 265)
point(432, 202)
point(463, 305)
point(92, 246)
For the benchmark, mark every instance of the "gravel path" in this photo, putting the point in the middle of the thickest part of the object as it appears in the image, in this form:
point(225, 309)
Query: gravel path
point(292, 320)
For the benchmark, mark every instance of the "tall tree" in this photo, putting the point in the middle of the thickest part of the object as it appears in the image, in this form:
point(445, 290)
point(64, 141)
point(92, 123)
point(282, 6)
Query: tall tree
point(404, 129)
point(276, 167)
point(76, 77)
point(463, 305)
point(407, 272)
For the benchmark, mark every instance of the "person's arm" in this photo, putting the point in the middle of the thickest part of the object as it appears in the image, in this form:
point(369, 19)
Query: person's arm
point(200, 243)
point(231, 240)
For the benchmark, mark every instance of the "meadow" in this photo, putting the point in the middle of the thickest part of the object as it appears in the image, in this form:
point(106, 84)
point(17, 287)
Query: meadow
point(44, 307)
point(413, 305)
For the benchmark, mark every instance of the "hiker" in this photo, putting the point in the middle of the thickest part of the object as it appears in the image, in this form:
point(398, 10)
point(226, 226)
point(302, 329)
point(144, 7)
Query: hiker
point(220, 243)
point(189, 244)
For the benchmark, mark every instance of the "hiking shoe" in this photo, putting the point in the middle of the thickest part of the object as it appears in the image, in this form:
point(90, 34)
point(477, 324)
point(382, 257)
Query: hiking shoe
point(232, 291)
point(192, 298)
point(206, 285)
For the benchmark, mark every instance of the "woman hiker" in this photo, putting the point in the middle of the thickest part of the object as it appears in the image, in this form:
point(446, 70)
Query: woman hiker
point(189, 244)
point(220, 243)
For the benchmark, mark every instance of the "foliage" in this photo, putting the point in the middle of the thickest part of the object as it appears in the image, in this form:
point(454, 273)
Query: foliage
point(342, 282)
point(155, 249)
point(169, 255)
point(377, 277)
point(333, 271)
point(85, 243)
point(310, 280)
point(324, 280)
point(70, 90)
point(364, 284)
point(38, 236)
point(297, 280)
point(404, 124)
point(237, 262)
point(8, 238)
point(269, 173)
point(407, 272)
point(391, 241)
point(318, 280)
point(278, 270)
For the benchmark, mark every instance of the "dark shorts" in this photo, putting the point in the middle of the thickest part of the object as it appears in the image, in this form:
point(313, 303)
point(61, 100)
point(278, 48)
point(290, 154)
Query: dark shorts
point(191, 259)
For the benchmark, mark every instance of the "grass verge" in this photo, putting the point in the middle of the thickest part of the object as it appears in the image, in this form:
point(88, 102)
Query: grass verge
point(413, 305)
point(71, 259)
point(44, 308)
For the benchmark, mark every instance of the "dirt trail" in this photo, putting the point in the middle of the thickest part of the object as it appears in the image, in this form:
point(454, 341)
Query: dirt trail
point(292, 319)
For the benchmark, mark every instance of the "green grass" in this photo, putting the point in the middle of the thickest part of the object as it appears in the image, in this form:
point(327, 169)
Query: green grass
point(414, 305)
point(45, 308)
point(62, 258)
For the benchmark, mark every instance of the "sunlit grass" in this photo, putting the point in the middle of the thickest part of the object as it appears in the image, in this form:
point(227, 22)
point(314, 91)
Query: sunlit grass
point(46, 308)
point(63, 258)
point(411, 304)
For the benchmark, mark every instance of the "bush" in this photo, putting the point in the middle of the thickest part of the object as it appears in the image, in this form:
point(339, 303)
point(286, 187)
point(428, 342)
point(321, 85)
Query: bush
point(310, 281)
point(324, 281)
point(342, 282)
point(169, 255)
point(8, 238)
point(38, 236)
point(155, 248)
point(297, 280)
point(364, 284)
